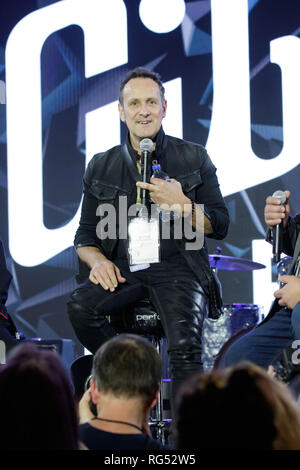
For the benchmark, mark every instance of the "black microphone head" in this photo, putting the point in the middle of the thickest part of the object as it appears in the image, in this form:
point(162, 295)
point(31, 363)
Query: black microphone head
point(146, 145)
point(280, 195)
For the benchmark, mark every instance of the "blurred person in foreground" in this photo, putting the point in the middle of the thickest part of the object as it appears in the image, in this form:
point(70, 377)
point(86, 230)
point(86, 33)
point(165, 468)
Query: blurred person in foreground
point(239, 408)
point(124, 387)
point(37, 407)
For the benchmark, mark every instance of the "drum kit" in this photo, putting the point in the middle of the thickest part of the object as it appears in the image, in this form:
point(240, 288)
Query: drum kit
point(231, 263)
point(236, 318)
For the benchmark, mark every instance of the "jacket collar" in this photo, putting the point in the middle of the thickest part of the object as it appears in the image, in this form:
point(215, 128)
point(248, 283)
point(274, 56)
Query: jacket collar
point(160, 148)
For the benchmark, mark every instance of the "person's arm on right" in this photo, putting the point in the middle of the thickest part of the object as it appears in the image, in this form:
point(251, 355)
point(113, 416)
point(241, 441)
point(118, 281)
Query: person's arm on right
point(275, 212)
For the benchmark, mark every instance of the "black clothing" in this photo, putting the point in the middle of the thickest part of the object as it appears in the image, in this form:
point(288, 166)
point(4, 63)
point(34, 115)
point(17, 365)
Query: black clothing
point(289, 247)
point(7, 328)
point(290, 235)
point(182, 286)
point(96, 439)
point(110, 176)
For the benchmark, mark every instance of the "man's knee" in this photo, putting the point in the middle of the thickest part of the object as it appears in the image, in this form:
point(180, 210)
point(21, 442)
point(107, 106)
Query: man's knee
point(77, 311)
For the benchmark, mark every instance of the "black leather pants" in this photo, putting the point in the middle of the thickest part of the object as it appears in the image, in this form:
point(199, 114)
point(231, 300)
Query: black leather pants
point(177, 297)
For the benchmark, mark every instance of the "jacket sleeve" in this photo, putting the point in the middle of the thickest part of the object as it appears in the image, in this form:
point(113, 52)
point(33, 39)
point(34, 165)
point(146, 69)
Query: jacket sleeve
point(86, 233)
point(210, 196)
point(289, 235)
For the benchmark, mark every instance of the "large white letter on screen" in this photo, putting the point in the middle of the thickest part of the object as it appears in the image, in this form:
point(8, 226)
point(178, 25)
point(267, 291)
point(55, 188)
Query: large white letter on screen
point(229, 141)
point(105, 39)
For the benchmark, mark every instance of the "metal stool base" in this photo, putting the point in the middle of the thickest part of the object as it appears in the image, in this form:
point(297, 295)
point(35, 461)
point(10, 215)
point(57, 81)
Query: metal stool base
point(158, 425)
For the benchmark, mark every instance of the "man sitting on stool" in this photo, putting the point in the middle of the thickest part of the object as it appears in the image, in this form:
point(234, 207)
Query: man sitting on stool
point(125, 386)
point(175, 277)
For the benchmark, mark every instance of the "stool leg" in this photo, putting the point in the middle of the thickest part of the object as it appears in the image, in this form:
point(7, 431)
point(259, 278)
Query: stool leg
point(159, 422)
point(161, 434)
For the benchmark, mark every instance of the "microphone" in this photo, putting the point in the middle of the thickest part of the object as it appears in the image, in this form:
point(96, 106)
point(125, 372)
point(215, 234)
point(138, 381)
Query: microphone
point(277, 230)
point(146, 146)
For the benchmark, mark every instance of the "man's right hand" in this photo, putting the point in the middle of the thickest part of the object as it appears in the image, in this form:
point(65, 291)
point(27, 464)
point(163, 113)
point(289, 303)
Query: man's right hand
point(275, 212)
point(103, 271)
point(107, 274)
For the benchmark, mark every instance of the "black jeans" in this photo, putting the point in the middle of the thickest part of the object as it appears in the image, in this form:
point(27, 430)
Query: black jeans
point(176, 296)
point(264, 344)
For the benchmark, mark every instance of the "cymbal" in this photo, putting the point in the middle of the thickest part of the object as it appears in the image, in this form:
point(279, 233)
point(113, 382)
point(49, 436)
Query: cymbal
point(231, 263)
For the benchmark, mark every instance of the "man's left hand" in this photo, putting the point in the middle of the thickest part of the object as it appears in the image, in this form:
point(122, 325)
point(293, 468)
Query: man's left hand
point(289, 295)
point(166, 193)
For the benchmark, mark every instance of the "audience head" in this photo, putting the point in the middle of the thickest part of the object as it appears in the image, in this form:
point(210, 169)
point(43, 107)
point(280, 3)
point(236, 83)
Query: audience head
point(239, 408)
point(36, 402)
point(127, 366)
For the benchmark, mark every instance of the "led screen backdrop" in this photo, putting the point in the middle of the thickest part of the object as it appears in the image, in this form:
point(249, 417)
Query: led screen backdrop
point(231, 70)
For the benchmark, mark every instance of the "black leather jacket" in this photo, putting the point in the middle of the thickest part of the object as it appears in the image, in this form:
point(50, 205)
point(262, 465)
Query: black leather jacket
point(290, 235)
point(112, 174)
point(289, 247)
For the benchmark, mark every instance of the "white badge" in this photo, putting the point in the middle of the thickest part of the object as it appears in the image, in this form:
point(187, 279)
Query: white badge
point(144, 243)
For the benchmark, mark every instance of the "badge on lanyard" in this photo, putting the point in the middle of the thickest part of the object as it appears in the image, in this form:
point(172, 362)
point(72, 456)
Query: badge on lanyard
point(143, 242)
